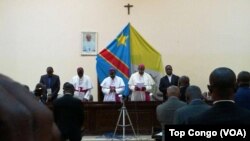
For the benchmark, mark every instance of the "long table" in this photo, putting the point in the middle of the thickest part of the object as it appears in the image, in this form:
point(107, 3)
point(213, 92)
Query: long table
point(102, 117)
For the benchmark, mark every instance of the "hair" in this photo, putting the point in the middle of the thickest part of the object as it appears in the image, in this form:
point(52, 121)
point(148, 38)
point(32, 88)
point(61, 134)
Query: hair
point(224, 81)
point(173, 91)
point(193, 92)
point(243, 78)
point(184, 81)
point(68, 87)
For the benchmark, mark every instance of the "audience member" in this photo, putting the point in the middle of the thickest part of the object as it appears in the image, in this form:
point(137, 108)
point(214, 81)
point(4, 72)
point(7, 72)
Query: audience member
point(68, 114)
point(165, 111)
point(27, 87)
point(82, 85)
point(183, 84)
point(112, 86)
point(242, 96)
point(140, 83)
point(22, 117)
point(195, 106)
point(224, 111)
point(40, 93)
point(168, 80)
point(52, 84)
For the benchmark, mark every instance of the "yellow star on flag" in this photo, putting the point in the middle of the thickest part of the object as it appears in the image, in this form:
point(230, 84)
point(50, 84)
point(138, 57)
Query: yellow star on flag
point(122, 40)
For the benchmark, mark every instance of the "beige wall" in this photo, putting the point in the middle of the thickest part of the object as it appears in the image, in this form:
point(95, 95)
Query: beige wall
point(194, 36)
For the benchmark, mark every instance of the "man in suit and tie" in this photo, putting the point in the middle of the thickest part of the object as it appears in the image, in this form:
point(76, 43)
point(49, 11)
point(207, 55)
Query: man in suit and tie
point(168, 80)
point(52, 83)
point(68, 114)
point(224, 110)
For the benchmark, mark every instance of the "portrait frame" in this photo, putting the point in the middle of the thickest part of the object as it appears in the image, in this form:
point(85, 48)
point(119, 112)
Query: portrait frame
point(89, 43)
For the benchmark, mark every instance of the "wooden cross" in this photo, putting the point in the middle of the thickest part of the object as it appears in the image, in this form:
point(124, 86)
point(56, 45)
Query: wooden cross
point(128, 6)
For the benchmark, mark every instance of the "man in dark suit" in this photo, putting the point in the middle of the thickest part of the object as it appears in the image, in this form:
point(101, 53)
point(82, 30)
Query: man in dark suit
point(224, 110)
point(168, 80)
point(242, 95)
point(196, 105)
point(52, 83)
point(68, 114)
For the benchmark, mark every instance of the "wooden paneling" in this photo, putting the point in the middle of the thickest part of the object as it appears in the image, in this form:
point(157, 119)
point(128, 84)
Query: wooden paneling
point(102, 117)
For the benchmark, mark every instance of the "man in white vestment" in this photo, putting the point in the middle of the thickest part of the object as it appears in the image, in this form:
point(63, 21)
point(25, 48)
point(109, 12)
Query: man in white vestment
point(82, 84)
point(89, 44)
point(112, 86)
point(140, 83)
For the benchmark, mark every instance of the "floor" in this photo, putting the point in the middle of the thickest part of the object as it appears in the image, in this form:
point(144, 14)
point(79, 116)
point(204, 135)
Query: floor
point(118, 138)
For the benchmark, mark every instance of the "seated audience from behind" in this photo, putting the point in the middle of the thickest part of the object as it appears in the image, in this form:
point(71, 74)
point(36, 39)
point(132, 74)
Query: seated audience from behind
point(242, 95)
point(165, 111)
point(196, 105)
point(183, 84)
point(224, 111)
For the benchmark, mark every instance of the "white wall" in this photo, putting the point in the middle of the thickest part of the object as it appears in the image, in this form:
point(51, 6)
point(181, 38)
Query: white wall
point(194, 36)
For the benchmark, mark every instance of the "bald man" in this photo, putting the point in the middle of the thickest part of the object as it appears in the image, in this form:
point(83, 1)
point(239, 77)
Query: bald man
point(165, 111)
point(140, 83)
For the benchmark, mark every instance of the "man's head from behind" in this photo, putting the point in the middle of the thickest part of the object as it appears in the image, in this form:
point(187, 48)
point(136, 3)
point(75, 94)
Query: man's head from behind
point(243, 78)
point(50, 71)
point(80, 72)
point(68, 88)
point(173, 91)
point(222, 83)
point(193, 92)
point(183, 81)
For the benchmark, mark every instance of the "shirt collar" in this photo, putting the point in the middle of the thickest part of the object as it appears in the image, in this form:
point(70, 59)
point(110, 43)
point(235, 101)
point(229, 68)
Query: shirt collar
point(218, 101)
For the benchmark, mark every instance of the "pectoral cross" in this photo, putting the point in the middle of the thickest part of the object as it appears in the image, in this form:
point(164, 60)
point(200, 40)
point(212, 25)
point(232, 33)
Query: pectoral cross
point(128, 6)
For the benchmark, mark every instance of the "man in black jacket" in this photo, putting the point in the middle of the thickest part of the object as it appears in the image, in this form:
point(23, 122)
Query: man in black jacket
point(68, 114)
point(224, 110)
point(52, 83)
point(168, 80)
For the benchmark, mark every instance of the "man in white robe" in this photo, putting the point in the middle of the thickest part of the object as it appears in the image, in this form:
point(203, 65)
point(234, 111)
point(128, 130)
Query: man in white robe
point(140, 83)
point(112, 86)
point(82, 84)
point(89, 44)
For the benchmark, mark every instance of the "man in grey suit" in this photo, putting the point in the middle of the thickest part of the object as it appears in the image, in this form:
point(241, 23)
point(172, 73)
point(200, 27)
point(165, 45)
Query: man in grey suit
point(196, 105)
point(165, 111)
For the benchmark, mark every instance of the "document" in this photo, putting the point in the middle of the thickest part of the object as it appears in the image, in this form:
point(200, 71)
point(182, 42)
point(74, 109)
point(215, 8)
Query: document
point(140, 85)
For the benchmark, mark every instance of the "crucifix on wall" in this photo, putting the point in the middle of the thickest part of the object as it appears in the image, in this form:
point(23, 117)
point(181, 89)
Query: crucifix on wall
point(128, 6)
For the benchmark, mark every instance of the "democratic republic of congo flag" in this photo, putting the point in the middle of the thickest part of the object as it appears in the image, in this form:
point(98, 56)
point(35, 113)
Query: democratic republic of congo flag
point(125, 53)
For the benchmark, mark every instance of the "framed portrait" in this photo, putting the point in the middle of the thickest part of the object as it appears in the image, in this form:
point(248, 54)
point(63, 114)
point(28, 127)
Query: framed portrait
point(89, 43)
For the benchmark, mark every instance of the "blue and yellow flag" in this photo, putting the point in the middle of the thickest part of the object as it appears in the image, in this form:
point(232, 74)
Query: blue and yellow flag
point(125, 53)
